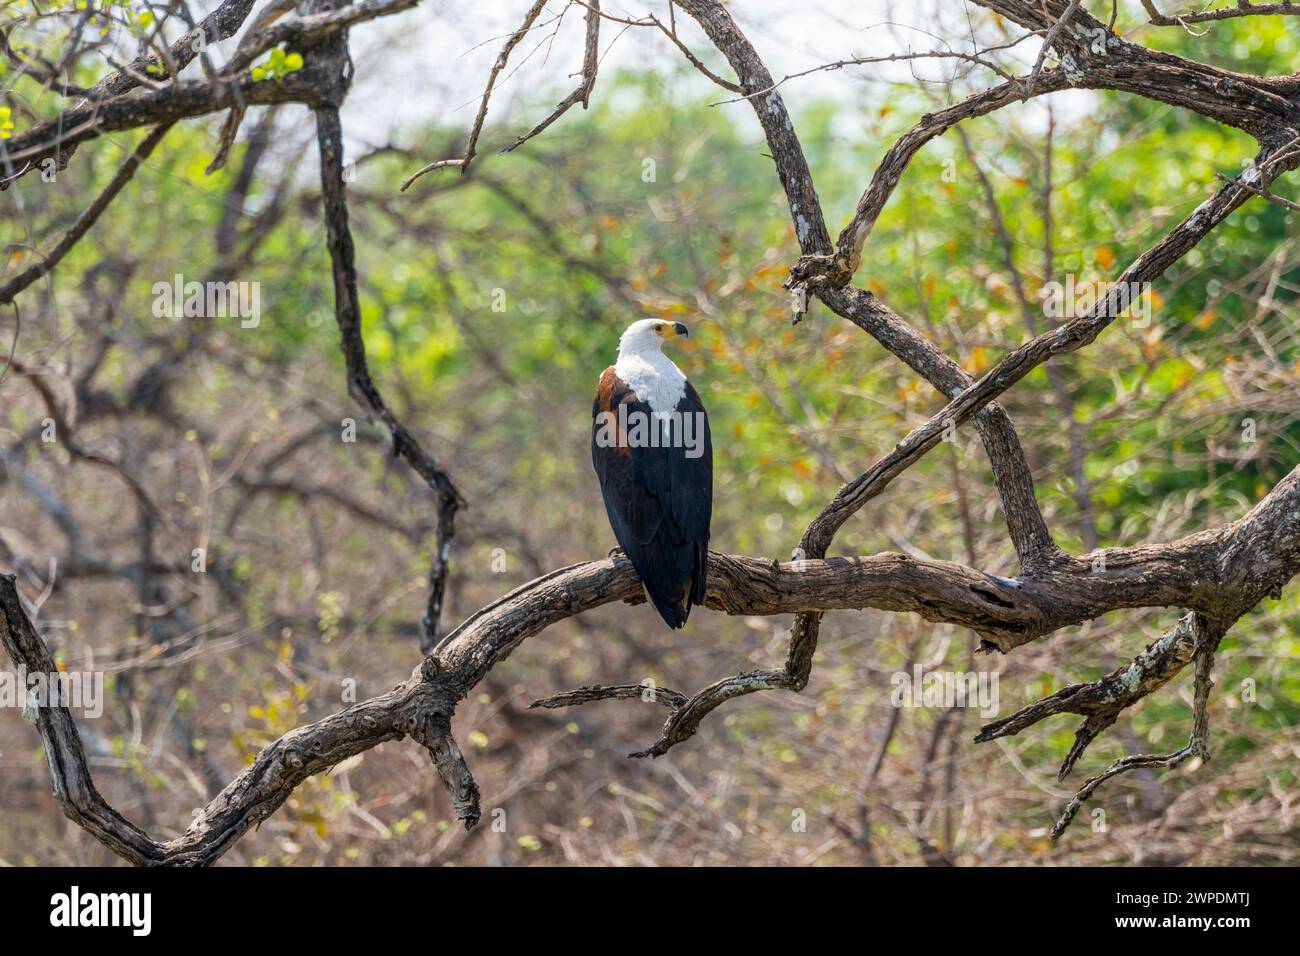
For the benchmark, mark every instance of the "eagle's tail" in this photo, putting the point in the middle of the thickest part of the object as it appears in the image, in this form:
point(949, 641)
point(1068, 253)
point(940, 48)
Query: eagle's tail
point(672, 610)
point(676, 609)
point(674, 613)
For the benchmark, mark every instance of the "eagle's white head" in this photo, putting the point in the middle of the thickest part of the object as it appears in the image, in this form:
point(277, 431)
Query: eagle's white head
point(645, 369)
point(647, 337)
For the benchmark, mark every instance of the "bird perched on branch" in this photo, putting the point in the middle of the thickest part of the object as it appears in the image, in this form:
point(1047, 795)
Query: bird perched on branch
point(652, 451)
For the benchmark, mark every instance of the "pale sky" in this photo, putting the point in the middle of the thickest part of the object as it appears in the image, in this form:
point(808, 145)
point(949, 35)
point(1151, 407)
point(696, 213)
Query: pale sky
point(431, 63)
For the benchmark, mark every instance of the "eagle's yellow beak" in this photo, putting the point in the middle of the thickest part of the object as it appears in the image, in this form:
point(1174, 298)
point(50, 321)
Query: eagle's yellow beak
point(668, 330)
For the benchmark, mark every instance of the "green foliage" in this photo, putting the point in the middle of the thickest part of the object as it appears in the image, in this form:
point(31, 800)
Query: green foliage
point(277, 65)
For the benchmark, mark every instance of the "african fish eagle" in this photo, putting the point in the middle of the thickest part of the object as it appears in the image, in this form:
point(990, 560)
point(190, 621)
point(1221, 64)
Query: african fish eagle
point(652, 451)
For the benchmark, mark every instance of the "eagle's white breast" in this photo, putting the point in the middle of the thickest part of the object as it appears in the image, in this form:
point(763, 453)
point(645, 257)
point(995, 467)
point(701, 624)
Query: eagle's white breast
point(653, 377)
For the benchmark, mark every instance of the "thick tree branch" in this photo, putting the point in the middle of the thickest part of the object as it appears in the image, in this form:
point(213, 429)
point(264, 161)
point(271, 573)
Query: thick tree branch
point(1094, 57)
point(1243, 8)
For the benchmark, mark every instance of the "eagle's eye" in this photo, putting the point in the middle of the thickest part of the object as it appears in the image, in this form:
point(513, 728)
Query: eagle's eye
point(659, 326)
